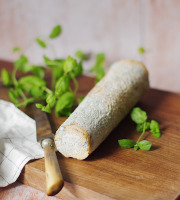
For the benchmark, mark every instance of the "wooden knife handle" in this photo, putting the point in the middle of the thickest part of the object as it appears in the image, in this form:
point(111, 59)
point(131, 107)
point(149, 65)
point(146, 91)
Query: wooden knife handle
point(54, 179)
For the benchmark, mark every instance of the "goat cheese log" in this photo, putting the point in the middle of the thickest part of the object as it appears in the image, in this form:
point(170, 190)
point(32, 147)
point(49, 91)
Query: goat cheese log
point(102, 109)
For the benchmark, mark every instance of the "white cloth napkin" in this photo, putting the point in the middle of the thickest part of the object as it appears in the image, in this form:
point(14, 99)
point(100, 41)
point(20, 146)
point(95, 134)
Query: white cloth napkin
point(18, 143)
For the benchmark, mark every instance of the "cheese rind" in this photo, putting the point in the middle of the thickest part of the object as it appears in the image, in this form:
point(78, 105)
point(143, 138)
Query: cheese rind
point(102, 109)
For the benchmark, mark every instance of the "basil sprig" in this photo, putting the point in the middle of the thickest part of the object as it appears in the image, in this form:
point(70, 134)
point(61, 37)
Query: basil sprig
point(33, 88)
point(142, 125)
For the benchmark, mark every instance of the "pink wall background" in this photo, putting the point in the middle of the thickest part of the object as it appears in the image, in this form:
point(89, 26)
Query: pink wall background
point(115, 27)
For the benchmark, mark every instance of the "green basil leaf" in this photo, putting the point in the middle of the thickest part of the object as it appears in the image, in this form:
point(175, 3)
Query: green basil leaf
point(79, 54)
point(156, 134)
point(144, 145)
point(82, 56)
point(100, 61)
point(64, 103)
point(38, 105)
point(26, 68)
point(136, 147)
point(155, 129)
point(22, 64)
point(13, 96)
point(32, 80)
point(48, 61)
point(60, 61)
point(154, 125)
point(70, 64)
point(32, 85)
point(17, 91)
point(62, 85)
point(138, 115)
point(100, 58)
point(51, 99)
point(100, 73)
point(80, 99)
point(98, 68)
point(56, 65)
point(58, 72)
point(55, 32)
point(16, 49)
point(140, 127)
point(141, 50)
point(53, 63)
point(36, 92)
point(28, 101)
point(46, 108)
point(126, 143)
point(6, 77)
point(41, 43)
point(65, 112)
point(78, 70)
point(38, 71)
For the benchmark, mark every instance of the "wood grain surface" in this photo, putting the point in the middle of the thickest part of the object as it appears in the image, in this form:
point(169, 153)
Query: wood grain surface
point(121, 173)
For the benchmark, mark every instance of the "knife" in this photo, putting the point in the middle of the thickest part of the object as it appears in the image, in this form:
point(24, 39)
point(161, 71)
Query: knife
point(54, 179)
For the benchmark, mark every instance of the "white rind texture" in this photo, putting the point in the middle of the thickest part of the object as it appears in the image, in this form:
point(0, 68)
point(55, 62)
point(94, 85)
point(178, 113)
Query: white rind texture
point(102, 109)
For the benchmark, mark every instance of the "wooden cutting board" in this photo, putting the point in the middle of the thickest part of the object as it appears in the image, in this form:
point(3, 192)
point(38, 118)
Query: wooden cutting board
point(112, 172)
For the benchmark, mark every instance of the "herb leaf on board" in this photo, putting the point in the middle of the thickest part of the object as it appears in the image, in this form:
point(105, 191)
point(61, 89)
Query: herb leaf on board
point(126, 143)
point(140, 117)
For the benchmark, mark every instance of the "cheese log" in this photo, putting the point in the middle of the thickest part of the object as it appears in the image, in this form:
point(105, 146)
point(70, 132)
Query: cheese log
point(102, 109)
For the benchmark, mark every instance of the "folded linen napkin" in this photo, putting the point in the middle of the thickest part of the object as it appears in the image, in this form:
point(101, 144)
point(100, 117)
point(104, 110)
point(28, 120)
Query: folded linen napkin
point(18, 143)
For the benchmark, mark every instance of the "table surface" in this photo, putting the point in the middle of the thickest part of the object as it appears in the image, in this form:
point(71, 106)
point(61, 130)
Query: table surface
point(79, 190)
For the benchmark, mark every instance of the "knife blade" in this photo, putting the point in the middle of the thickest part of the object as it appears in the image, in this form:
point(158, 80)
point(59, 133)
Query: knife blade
point(54, 179)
